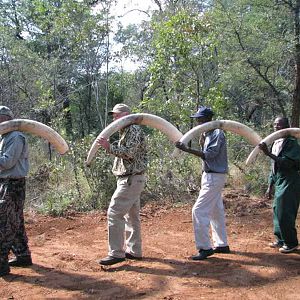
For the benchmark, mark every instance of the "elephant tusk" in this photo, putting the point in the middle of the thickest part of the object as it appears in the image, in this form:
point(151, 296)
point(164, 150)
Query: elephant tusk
point(144, 119)
point(38, 129)
point(233, 126)
point(295, 132)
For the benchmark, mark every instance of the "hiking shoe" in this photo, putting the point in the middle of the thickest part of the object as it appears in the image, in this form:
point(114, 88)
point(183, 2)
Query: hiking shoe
point(276, 244)
point(110, 260)
point(20, 261)
point(287, 249)
point(223, 249)
point(130, 256)
point(203, 254)
point(4, 268)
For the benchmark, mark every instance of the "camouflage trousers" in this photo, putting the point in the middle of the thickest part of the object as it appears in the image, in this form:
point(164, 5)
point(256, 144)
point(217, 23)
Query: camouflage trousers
point(12, 230)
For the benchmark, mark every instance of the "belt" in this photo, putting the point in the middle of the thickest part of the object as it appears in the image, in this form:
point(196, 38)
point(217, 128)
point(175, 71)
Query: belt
point(131, 174)
point(214, 172)
point(11, 179)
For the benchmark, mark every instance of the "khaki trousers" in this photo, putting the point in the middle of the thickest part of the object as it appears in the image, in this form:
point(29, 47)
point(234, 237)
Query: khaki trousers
point(124, 225)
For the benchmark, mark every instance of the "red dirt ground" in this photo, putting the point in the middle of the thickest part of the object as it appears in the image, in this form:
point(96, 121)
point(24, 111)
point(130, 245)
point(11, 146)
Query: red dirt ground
point(65, 253)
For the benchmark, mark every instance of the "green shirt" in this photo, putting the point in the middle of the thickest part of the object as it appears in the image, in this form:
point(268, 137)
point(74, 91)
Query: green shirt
point(288, 161)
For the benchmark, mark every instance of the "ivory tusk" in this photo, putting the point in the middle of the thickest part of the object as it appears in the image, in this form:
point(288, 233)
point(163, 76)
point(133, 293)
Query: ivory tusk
point(146, 119)
point(295, 132)
point(36, 128)
point(233, 126)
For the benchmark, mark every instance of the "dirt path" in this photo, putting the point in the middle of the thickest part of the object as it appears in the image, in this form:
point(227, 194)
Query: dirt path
point(65, 251)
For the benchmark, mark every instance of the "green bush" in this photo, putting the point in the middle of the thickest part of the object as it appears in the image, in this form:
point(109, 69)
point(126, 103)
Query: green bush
point(251, 178)
point(169, 177)
point(65, 182)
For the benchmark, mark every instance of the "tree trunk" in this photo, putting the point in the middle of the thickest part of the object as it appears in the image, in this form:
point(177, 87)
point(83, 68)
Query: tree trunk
point(68, 117)
point(296, 95)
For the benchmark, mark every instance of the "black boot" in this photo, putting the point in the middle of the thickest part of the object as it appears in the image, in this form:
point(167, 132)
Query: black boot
point(4, 267)
point(20, 261)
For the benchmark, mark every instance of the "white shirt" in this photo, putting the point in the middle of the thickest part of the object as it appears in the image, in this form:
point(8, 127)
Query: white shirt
point(277, 146)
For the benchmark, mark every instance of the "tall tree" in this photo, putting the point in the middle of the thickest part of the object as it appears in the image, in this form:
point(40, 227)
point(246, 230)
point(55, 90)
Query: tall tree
point(67, 41)
point(294, 7)
point(256, 39)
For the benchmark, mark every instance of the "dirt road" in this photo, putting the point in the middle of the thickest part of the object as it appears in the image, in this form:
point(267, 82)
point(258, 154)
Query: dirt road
point(65, 253)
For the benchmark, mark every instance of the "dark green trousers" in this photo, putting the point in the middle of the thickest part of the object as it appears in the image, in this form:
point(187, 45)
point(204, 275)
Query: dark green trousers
point(285, 209)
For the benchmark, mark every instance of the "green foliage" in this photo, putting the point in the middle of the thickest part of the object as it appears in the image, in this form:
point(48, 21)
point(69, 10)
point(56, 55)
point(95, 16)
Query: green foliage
point(255, 56)
point(61, 45)
point(185, 69)
point(100, 179)
point(216, 100)
point(169, 176)
point(253, 178)
point(65, 183)
point(57, 204)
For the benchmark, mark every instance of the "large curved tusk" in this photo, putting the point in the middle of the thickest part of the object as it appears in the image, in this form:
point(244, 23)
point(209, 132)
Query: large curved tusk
point(36, 128)
point(146, 119)
point(233, 126)
point(271, 138)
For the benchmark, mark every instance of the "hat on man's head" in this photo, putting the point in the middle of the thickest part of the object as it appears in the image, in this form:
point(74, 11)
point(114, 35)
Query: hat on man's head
point(5, 111)
point(119, 108)
point(203, 111)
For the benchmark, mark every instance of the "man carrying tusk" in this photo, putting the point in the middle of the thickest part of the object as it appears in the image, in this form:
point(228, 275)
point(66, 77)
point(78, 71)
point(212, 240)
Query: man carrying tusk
point(208, 209)
point(285, 177)
point(13, 170)
point(124, 210)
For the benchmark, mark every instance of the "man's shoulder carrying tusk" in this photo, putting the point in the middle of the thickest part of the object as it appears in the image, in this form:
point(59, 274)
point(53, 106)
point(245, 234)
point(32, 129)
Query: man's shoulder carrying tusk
point(295, 132)
point(233, 126)
point(146, 119)
point(38, 129)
